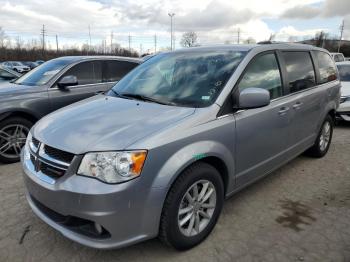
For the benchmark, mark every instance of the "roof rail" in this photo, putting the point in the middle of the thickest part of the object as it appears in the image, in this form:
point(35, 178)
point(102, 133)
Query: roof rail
point(268, 42)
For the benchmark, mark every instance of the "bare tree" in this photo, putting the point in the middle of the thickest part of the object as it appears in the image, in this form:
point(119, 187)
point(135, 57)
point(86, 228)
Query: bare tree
point(189, 39)
point(250, 40)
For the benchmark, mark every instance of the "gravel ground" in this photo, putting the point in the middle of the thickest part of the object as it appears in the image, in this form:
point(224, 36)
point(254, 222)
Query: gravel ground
point(301, 212)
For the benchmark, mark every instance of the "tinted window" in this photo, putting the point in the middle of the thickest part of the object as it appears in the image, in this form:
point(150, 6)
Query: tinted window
point(338, 58)
point(43, 73)
point(263, 72)
point(86, 72)
point(301, 74)
point(326, 66)
point(192, 79)
point(344, 73)
point(115, 70)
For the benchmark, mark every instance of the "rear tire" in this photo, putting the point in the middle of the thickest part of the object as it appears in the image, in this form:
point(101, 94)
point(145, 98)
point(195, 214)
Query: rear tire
point(13, 132)
point(201, 209)
point(324, 138)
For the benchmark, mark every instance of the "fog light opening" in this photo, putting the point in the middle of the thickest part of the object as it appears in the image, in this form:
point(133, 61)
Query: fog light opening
point(98, 228)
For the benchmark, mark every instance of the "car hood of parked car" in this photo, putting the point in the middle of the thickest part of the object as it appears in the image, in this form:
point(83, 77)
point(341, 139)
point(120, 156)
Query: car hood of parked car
point(7, 88)
point(345, 88)
point(104, 123)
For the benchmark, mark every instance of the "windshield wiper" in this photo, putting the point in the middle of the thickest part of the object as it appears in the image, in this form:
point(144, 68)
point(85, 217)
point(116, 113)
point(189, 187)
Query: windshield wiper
point(146, 98)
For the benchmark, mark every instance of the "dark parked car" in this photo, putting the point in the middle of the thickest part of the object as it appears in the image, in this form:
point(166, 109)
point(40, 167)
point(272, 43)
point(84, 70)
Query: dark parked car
point(50, 86)
point(7, 75)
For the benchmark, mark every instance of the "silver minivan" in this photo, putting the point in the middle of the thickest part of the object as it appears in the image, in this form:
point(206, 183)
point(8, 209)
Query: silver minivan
point(158, 154)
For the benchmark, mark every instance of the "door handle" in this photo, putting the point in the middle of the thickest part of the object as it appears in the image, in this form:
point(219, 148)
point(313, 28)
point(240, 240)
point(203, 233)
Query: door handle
point(99, 92)
point(297, 105)
point(283, 111)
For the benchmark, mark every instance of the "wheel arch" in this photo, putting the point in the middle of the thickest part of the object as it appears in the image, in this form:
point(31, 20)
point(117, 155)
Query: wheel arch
point(29, 116)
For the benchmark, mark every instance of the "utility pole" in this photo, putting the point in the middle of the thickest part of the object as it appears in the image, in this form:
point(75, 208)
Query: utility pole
point(129, 38)
point(140, 50)
point(155, 43)
point(43, 33)
point(341, 34)
point(171, 29)
point(56, 43)
point(238, 34)
point(111, 42)
point(89, 40)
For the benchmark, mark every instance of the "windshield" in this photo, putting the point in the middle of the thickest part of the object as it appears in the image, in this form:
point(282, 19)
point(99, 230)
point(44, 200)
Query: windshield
point(344, 73)
point(192, 79)
point(43, 73)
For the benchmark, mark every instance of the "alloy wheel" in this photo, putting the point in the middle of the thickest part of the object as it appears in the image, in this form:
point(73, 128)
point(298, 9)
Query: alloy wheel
point(325, 136)
point(12, 139)
point(197, 208)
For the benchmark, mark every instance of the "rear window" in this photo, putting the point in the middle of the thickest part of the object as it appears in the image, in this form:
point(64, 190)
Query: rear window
point(115, 70)
point(339, 58)
point(344, 73)
point(301, 73)
point(326, 66)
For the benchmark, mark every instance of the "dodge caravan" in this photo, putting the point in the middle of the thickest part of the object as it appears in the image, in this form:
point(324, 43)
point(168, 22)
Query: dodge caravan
point(159, 153)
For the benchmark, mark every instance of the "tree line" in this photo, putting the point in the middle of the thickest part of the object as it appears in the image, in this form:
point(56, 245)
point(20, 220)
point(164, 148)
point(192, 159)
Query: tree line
point(33, 50)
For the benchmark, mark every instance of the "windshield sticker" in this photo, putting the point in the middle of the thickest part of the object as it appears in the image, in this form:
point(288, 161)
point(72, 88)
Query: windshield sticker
point(50, 73)
point(205, 97)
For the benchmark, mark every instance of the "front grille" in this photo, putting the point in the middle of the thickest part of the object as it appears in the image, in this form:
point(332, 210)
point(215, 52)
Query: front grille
point(51, 171)
point(35, 142)
point(50, 161)
point(58, 154)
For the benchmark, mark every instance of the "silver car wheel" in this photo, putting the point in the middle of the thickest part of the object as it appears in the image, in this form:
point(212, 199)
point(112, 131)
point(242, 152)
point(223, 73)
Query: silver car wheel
point(325, 136)
point(196, 208)
point(12, 139)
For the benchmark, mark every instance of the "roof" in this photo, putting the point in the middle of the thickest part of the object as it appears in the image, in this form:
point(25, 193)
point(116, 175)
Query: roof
point(81, 58)
point(261, 47)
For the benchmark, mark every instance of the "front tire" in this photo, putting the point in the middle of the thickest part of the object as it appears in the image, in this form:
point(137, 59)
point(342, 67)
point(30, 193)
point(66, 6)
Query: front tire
point(13, 134)
point(324, 138)
point(192, 207)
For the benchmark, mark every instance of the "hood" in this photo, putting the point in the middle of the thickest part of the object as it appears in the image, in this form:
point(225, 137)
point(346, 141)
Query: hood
point(11, 88)
point(105, 123)
point(345, 88)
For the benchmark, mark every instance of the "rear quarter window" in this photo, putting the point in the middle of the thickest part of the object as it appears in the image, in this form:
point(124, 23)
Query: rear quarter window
point(115, 70)
point(326, 67)
point(300, 70)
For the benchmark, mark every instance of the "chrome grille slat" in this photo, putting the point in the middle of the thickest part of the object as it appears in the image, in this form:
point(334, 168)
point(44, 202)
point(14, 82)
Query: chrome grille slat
point(49, 161)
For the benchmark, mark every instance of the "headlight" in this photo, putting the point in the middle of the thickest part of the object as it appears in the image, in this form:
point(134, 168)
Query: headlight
point(26, 153)
point(113, 167)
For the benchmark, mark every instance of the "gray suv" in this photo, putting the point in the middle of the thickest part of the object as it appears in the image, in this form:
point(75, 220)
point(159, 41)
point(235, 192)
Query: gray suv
point(159, 153)
point(54, 84)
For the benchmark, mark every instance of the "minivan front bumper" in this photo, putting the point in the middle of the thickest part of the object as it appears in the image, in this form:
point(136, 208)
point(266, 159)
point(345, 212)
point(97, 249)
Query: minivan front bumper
point(343, 112)
point(93, 213)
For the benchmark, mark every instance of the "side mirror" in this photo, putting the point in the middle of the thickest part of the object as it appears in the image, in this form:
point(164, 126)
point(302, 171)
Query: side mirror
point(67, 81)
point(253, 98)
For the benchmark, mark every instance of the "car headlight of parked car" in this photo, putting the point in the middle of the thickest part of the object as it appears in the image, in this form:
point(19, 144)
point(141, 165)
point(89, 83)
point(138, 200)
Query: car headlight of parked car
point(344, 99)
point(113, 167)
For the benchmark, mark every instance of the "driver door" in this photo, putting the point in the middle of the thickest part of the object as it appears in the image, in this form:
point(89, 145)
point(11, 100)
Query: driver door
point(261, 133)
point(89, 75)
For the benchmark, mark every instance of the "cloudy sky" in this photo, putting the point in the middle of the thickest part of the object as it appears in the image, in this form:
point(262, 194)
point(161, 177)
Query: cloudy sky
point(215, 21)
